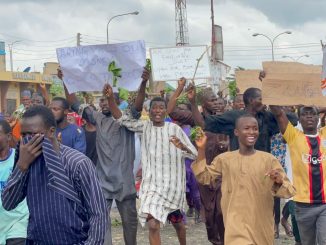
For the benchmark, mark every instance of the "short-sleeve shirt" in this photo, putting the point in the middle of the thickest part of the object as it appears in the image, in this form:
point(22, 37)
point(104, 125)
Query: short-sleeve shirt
point(308, 157)
point(13, 224)
point(73, 137)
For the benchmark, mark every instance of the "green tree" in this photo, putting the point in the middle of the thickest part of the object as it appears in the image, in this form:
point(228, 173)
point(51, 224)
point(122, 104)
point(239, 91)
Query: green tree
point(233, 83)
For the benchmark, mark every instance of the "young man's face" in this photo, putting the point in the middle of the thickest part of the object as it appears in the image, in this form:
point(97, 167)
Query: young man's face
point(35, 125)
point(238, 103)
point(220, 106)
point(104, 105)
point(211, 104)
point(247, 131)
point(157, 111)
point(4, 139)
point(309, 118)
point(256, 102)
point(37, 100)
point(58, 111)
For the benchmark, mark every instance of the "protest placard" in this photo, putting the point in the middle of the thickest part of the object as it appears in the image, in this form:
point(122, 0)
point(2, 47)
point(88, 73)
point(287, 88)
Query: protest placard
point(247, 79)
point(85, 68)
point(292, 83)
point(170, 64)
point(289, 67)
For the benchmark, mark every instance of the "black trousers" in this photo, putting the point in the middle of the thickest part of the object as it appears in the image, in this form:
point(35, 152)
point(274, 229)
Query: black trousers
point(277, 210)
point(286, 211)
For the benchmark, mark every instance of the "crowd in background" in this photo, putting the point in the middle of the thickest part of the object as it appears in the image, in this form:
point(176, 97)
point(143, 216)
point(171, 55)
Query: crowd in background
point(64, 162)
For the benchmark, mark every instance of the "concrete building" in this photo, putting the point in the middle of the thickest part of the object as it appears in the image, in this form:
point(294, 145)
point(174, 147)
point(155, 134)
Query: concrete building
point(13, 83)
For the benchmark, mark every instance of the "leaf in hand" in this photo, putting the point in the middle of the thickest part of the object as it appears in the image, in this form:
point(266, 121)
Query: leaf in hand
point(116, 72)
point(148, 64)
point(111, 66)
point(196, 133)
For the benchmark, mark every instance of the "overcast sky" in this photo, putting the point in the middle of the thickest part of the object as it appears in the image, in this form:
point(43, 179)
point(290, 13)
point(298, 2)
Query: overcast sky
point(42, 26)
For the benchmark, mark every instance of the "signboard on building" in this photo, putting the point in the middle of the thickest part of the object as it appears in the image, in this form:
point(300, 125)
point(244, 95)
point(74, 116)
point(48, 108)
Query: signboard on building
point(26, 77)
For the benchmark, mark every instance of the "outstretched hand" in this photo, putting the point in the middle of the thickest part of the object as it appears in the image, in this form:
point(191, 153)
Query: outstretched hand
point(107, 90)
point(42, 85)
point(182, 82)
point(201, 142)
point(191, 93)
point(59, 73)
point(146, 74)
point(177, 142)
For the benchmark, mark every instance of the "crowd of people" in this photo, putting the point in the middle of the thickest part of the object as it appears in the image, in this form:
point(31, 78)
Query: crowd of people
point(63, 164)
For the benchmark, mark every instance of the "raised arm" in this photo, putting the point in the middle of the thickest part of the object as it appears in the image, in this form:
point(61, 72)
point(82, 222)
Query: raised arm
point(224, 123)
point(113, 107)
point(198, 118)
point(71, 98)
point(173, 99)
point(45, 94)
point(74, 102)
point(142, 91)
point(280, 117)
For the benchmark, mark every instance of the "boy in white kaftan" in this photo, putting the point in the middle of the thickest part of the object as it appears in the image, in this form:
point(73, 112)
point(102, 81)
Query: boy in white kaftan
point(163, 184)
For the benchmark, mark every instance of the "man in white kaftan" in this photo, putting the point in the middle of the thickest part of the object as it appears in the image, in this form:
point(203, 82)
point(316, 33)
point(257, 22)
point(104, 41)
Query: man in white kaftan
point(163, 184)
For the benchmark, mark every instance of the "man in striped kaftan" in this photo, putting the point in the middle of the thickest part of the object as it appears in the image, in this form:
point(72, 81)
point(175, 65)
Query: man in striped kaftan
point(162, 193)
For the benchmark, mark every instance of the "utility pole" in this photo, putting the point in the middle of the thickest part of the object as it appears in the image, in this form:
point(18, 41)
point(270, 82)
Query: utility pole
point(213, 54)
point(78, 39)
point(11, 62)
point(10, 45)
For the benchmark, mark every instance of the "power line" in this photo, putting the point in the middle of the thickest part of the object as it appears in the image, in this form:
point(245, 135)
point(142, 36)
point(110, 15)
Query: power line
point(35, 53)
point(51, 57)
point(285, 53)
point(48, 41)
point(259, 58)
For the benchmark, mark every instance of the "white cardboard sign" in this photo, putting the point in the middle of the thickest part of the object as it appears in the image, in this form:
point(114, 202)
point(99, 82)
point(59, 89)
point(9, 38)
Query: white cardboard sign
point(85, 68)
point(170, 64)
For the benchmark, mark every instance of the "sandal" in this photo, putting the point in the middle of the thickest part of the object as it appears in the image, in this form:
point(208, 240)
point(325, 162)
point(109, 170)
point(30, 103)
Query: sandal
point(287, 227)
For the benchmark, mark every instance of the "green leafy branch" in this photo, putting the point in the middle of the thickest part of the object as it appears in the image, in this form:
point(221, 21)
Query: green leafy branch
point(196, 133)
point(116, 73)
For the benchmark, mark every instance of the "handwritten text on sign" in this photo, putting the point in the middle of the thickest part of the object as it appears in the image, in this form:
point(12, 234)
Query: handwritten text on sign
point(247, 79)
point(170, 64)
point(293, 89)
point(85, 68)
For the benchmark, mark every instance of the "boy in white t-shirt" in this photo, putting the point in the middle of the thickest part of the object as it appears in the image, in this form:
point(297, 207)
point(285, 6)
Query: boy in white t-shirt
point(13, 225)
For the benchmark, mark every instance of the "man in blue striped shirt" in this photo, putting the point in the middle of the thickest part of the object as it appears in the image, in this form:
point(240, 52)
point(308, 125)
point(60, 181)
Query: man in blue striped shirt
point(63, 194)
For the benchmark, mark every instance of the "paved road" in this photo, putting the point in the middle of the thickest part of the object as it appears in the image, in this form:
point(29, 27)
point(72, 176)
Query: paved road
point(196, 234)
